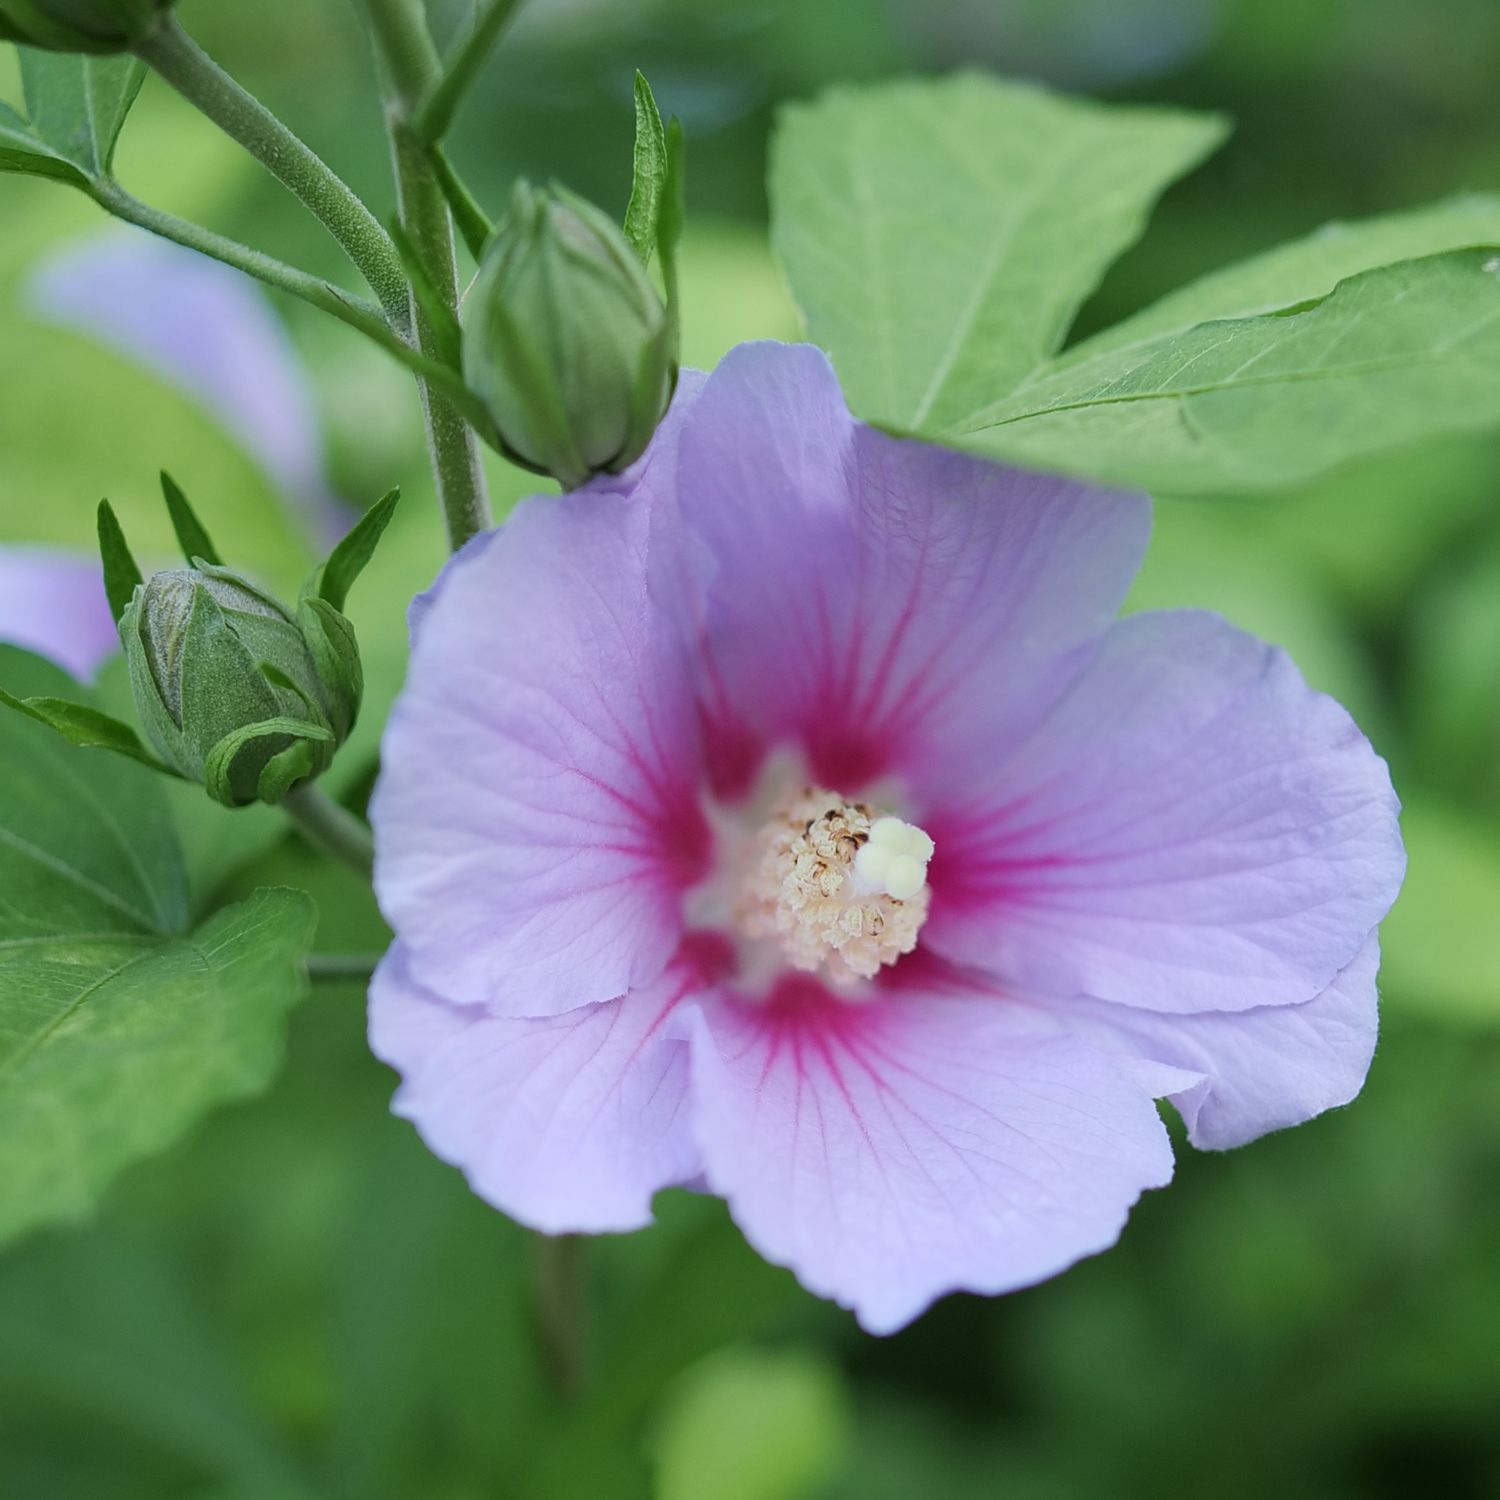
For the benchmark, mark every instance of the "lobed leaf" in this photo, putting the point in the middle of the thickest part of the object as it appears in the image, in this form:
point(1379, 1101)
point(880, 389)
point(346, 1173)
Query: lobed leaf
point(1390, 355)
point(941, 235)
point(118, 1028)
point(1301, 271)
point(112, 1046)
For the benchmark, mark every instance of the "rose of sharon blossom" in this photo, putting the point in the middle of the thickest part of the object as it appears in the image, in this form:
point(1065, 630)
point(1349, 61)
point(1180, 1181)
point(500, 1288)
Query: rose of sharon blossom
point(789, 818)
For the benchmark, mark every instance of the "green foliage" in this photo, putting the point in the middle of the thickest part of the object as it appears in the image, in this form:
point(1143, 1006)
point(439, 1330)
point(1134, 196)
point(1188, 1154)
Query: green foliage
point(118, 1027)
point(114, 1045)
point(940, 236)
point(300, 1302)
point(75, 108)
point(85, 848)
point(648, 173)
point(1389, 356)
point(1303, 271)
point(82, 725)
point(749, 1425)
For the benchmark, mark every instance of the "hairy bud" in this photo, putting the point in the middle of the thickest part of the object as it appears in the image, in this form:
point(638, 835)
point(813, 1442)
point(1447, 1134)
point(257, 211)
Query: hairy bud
point(566, 341)
point(234, 690)
point(80, 25)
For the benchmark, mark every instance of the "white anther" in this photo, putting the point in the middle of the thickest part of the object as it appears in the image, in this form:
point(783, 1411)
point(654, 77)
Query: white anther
point(894, 859)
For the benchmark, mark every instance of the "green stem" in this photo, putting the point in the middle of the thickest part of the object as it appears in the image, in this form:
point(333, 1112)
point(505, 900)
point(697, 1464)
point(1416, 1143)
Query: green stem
point(334, 968)
point(200, 80)
point(328, 826)
point(357, 312)
point(409, 66)
point(436, 114)
point(559, 1311)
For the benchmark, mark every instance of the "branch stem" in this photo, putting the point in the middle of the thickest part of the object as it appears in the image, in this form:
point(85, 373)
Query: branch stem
point(409, 67)
point(559, 1311)
point(331, 827)
point(358, 312)
point(200, 80)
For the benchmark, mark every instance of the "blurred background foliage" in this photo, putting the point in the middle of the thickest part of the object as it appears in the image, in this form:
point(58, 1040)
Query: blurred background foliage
point(302, 1303)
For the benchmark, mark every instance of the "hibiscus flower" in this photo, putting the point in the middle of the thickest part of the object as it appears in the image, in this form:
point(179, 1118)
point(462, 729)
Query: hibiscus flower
point(790, 818)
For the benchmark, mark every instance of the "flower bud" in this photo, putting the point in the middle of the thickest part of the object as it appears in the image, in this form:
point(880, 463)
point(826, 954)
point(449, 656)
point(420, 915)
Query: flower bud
point(234, 690)
point(566, 340)
point(80, 25)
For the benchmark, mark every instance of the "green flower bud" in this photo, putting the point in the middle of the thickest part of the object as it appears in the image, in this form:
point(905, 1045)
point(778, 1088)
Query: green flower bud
point(566, 340)
point(233, 689)
point(80, 25)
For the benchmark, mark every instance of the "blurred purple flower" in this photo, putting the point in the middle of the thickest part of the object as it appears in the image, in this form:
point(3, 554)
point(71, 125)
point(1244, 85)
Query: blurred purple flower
point(53, 603)
point(654, 823)
point(207, 330)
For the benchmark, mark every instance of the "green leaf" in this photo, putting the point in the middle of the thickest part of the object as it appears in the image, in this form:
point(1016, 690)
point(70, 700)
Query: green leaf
point(86, 727)
point(76, 106)
point(1390, 355)
point(113, 1046)
point(941, 235)
point(1304, 270)
point(85, 846)
point(191, 536)
point(116, 1030)
point(121, 575)
point(21, 151)
point(649, 173)
point(349, 559)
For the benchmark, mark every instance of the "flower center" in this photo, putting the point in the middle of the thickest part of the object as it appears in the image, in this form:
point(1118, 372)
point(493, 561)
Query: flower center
point(839, 887)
